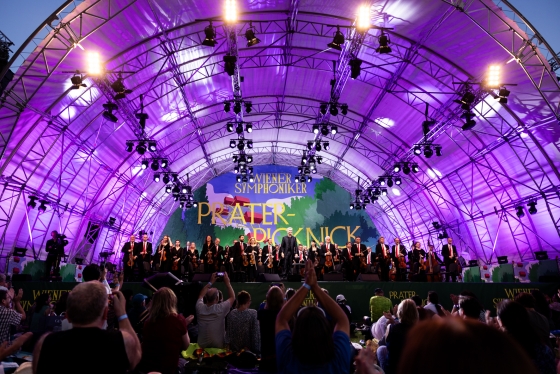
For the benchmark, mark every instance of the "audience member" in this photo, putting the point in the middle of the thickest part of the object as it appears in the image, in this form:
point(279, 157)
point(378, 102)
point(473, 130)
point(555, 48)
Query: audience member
point(41, 311)
point(91, 272)
point(164, 335)
point(471, 347)
point(514, 319)
point(243, 326)
point(379, 304)
point(538, 322)
point(423, 314)
point(433, 304)
point(396, 336)
point(542, 306)
point(289, 293)
point(469, 308)
point(3, 284)
point(128, 295)
point(211, 316)
point(341, 300)
point(9, 317)
point(60, 306)
point(312, 347)
point(87, 346)
point(138, 312)
point(267, 321)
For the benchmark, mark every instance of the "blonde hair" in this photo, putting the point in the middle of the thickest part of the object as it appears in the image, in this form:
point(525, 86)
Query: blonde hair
point(407, 312)
point(253, 239)
point(164, 304)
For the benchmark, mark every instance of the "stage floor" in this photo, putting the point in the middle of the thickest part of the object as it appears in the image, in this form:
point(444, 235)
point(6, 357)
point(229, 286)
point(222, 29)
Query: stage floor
point(357, 294)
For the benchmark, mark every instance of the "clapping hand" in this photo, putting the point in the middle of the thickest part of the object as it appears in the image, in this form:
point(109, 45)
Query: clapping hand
point(310, 276)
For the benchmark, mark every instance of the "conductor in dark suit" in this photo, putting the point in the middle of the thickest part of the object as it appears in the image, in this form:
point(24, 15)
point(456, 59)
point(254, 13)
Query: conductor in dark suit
point(449, 254)
point(288, 248)
point(129, 248)
point(384, 258)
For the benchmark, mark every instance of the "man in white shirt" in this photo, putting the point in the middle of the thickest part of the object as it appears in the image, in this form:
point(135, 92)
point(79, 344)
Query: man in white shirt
point(211, 316)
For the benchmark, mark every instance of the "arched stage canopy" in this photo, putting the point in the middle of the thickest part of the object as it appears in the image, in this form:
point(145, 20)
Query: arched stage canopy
point(56, 144)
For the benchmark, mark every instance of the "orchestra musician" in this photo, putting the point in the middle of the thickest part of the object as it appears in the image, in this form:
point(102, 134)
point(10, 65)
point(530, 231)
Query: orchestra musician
point(208, 255)
point(252, 252)
point(54, 249)
point(346, 258)
point(239, 248)
point(225, 260)
point(313, 255)
point(398, 253)
point(163, 255)
point(432, 264)
point(449, 254)
point(384, 258)
point(191, 259)
point(287, 249)
point(299, 257)
point(278, 260)
point(416, 255)
point(268, 256)
point(177, 254)
point(358, 250)
point(327, 248)
point(130, 248)
point(144, 259)
point(370, 259)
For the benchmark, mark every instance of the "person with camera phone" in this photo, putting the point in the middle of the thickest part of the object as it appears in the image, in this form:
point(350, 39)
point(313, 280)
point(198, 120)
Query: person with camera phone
point(55, 250)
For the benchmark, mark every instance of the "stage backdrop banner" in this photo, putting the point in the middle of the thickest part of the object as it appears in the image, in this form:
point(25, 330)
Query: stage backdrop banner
point(266, 208)
point(357, 294)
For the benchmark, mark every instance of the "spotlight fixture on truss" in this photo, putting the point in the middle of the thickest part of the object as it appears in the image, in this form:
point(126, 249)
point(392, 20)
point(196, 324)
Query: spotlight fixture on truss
point(355, 67)
point(383, 44)
point(77, 82)
point(338, 40)
point(120, 90)
point(141, 146)
point(470, 123)
point(210, 36)
point(250, 36)
point(108, 113)
point(32, 201)
point(428, 149)
point(229, 64)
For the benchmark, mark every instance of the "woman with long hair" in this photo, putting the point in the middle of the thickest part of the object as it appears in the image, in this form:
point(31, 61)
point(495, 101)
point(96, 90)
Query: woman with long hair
point(252, 252)
point(165, 334)
point(208, 255)
point(267, 321)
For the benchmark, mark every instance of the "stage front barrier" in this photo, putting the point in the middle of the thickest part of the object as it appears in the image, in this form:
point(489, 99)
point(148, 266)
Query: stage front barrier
point(357, 294)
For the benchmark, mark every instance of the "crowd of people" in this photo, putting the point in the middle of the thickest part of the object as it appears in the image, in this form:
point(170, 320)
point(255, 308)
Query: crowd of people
point(245, 260)
point(112, 331)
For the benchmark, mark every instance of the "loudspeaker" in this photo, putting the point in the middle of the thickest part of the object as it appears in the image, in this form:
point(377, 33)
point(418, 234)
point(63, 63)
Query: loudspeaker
point(333, 277)
point(368, 278)
point(21, 278)
point(264, 277)
point(294, 278)
point(201, 277)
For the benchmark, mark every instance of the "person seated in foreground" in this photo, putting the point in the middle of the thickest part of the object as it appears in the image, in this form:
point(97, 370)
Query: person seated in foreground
point(165, 334)
point(87, 348)
point(379, 304)
point(312, 347)
point(212, 315)
point(243, 327)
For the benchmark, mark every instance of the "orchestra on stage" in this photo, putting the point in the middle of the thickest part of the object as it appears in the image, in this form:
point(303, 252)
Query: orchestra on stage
point(245, 260)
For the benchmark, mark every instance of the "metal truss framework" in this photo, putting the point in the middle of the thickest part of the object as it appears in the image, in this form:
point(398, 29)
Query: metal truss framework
point(404, 218)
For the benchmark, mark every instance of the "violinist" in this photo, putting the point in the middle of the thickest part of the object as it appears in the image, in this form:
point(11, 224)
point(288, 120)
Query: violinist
point(370, 259)
point(191, 259)
point(384, 258)
point(416, 255)
point(398, 252)
point(162, 259)
point(359, 250)
point(252, 251)
point(208, 255)
point(268, 256)
point(238, 254)
point(278, 259)
point(130, 256)
point(327, 254)
point(177, 254)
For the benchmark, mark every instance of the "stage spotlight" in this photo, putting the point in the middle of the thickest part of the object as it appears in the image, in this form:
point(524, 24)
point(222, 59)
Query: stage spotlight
point(156, 177)
point(351, 206)
point(227, 106)
point(108, 113)
point(250, 36)
point(389, 182)
point(438, 150)
point(250, 144)
point(232, 143)
point(436, 225)
point(238, 179)
point(466, 100)
point(166, 178)
point(309, 145)
point(152, 146)
point(415, 168)
point(519, 211)
point(314, 171)
point(93, 63)
point(184, 189)
point(326, 146)
point(120, 90)
point(129, 146)
point(503, 95)
point(324, 130)
point(494, 76)
point(366, 201)
point(181, 205)
point(248, 107)
point(229, 126)
point(417, 150)
point(333, 110)
point(164, 163)
point(141, 148)
point(304, 160)
point(249, 159)
point(383, 44)
point(241, 145)
point(32, 201)
point(239, 128)
point(145, 164)
point(532, 207)
point(229, 64)
point(355, 67)
point(296, 179)
point(237, 107)
point(210, 36)
point(42, 206)
point(338, 40)
point(470, 123)
point(312, 165)
point(381, 181)
point(77, 82)
point(244, 179)
point(249, 127)
point(406, 168)
point(363, 22)
point(398, 181)
point(318, 146)
point(315, 129)
point(194, 204)
point(397, 168)
point(428, 151)
point(235, 158)
point(155, 165)
point(383, 192)
point(176, 177)
point(319, 160)
point(323, 108)
point(167, 189)
point(344, 109)
point(230, 14)
point(309, 179)
point(334, 129)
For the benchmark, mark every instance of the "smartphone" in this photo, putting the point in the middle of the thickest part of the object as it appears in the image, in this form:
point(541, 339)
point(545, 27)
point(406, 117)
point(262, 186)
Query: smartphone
point(220, 274)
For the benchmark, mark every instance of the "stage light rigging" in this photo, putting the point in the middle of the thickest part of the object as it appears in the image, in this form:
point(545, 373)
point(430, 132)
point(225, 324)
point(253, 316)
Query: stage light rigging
point(250, 36)
point(108, 113)
point(338, 40)
point(210, 36)
point(77, 82)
